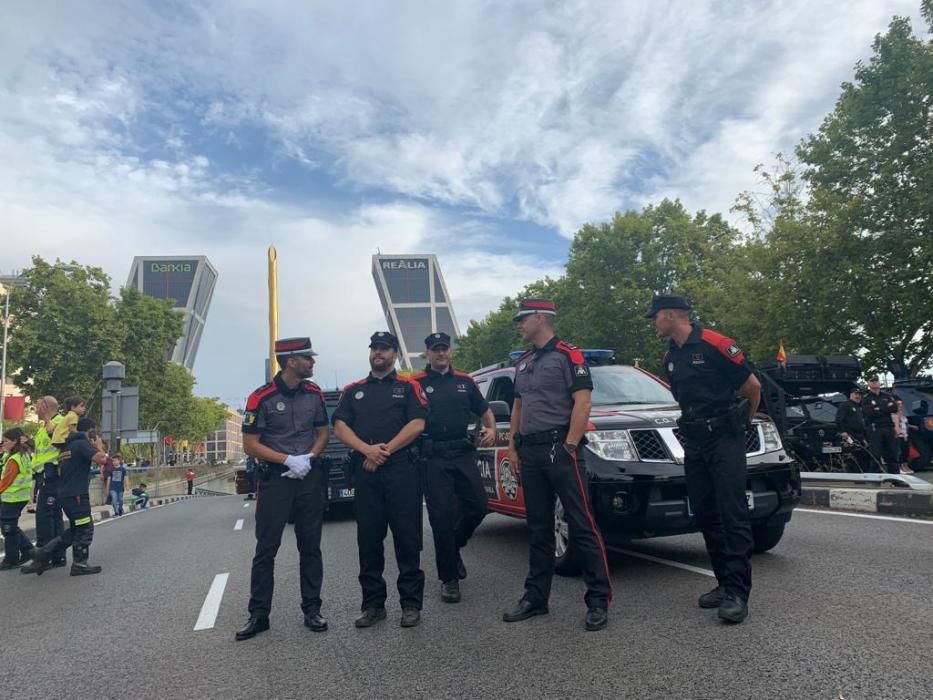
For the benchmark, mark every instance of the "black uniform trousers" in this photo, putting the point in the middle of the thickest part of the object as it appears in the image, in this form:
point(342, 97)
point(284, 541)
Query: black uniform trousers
point(716, 470)
point(548, 471)
point(277, 497)
point(80, 532)
point(456, 505)
point(389, 497)
point(17, 547)
point(884, 447)
point(49, 524)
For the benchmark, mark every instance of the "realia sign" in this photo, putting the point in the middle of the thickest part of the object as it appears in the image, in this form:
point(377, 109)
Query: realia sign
point(418, 264)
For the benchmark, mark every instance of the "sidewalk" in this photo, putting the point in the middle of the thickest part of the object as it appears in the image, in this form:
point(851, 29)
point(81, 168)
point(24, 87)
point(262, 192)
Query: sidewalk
point(883, 501)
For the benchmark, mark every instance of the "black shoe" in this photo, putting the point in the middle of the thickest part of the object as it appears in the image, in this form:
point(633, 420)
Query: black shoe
point(370, 617)
point(314, 622)
point(411, 617)
point(732, 608)
point(523, 610)
point(36, 566)
point(711, 599)
point(254, 626)
point(450, 591)
point(596, 619)
point(461, 569)
point(84, 569)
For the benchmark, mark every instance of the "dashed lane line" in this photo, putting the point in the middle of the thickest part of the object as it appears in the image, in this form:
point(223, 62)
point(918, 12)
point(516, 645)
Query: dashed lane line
point(246, 505)
point(239, 524)
point(864, 515)
point(211, 606)
point(665, 562)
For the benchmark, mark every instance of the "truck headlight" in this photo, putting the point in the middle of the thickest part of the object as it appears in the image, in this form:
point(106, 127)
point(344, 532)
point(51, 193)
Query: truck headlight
point(615, 445)
point(771, 435)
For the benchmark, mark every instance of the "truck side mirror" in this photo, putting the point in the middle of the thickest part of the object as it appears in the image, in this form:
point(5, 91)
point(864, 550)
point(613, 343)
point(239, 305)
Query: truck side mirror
point(501, 410)
point(919, 407)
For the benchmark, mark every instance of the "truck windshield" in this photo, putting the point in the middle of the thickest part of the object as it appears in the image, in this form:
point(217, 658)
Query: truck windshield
point(619, 384)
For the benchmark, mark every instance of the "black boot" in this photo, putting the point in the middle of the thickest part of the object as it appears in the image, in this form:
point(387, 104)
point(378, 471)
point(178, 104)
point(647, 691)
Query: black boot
point(40, 558)
point(733, 608)
point(80, 567)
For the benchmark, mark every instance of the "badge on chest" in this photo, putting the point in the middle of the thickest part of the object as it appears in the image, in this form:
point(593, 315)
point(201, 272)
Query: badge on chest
point(697, 359)
point(398, 392)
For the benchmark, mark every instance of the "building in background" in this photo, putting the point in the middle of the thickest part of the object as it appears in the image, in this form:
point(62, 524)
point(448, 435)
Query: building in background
point(415, 302)
point(188, 280)
point(226, 443)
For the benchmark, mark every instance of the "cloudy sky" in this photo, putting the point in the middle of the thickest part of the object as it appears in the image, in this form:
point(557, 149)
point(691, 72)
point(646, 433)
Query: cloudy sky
point(486, 132)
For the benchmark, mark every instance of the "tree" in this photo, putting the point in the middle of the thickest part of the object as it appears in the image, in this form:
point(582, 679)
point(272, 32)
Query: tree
point(870, 171)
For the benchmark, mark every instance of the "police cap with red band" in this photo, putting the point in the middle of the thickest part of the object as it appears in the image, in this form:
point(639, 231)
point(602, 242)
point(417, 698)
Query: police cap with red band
point(383, 338)
point(535, 306)
point(667, 301)
point(293, 346)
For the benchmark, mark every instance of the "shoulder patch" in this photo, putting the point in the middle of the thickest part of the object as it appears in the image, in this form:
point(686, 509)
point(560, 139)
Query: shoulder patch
point(256, 398)
point(576, 357)
point(416, 387)
point(419, 376)
point(724, 344)
point(307, 385)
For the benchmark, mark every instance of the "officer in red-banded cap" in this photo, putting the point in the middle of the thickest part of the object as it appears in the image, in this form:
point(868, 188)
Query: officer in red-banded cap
point(550, 413)
point(284, 429)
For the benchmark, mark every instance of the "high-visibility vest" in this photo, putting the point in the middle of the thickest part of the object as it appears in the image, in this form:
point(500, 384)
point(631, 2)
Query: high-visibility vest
point(19, 490)
point(45, 452)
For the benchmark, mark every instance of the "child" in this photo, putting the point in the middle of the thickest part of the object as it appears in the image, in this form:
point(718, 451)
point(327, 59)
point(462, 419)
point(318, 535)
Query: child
point(75, 407)
point(140, 496)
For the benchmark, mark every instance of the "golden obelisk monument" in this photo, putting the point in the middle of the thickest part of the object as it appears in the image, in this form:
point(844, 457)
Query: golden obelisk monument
point(273, 366)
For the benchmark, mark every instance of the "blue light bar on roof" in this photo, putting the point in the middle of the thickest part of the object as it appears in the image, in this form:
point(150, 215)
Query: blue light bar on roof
point(590, 354)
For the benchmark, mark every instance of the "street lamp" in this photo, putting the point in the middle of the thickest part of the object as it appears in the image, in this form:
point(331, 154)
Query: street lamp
point(113, 375)
point(6, 329)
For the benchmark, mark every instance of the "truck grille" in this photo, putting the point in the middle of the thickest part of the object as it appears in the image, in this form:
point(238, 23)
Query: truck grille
point(752, 439)
point(649, 446)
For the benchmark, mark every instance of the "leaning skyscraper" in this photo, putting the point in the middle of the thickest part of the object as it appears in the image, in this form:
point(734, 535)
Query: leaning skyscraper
point(414, 300)
point(188, 280)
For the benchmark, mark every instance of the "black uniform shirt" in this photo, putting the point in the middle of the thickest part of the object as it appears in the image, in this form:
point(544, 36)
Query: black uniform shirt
point(706, 372)
point(878, 409)
point(545, 380)
point(453, 397)
point(378, 409)
point(849, 418)
point(75, 462)
point(285, 419)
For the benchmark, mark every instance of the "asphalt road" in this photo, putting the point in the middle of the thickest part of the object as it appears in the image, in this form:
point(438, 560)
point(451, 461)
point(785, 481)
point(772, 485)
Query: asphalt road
point(842, 608)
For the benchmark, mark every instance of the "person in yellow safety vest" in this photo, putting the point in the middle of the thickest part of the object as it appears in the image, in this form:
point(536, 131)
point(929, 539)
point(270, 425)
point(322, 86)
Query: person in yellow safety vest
point(49, 524)
point(15, 487)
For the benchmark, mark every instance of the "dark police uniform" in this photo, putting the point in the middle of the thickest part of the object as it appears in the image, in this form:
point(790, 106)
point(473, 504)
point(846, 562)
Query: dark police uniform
point(545, 380)
point(850, 420)
point(390, 497)
point(878, 411)
point(453, 489)
point(286, 420)
point(704, 375)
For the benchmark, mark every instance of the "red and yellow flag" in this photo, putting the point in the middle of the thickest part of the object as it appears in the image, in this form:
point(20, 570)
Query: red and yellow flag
point(781, 355)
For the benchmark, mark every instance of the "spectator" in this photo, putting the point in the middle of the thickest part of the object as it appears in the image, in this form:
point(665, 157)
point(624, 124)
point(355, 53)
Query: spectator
point(903, 440)
point(115, 482)
point(189, 477)
point(140, 497)
point(15, 487)
point(75, 407)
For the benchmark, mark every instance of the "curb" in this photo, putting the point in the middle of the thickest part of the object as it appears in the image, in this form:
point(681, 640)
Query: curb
point(99, 515)
point(882, 501)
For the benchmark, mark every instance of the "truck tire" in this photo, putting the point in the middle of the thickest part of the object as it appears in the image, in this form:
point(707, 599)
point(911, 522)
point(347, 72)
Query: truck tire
point(766, 536)
point(566, 561)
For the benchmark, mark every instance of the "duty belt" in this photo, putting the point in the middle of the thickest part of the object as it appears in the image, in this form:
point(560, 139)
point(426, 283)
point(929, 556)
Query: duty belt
point(458, 445)
point(545, 437)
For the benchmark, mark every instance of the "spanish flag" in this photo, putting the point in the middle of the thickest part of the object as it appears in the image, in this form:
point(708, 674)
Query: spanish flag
point(781, 355)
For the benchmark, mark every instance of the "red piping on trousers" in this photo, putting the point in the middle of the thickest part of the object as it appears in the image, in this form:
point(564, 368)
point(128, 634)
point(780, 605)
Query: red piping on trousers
point(589, 515)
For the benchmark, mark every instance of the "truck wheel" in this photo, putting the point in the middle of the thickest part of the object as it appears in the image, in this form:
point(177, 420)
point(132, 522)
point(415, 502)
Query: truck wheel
point(766, 537)
point(566, 561)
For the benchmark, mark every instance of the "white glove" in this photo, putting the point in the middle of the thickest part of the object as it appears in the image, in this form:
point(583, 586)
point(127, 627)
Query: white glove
point(298, 466)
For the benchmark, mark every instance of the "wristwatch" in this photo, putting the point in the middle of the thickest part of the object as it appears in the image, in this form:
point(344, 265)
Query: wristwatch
point(570, 446)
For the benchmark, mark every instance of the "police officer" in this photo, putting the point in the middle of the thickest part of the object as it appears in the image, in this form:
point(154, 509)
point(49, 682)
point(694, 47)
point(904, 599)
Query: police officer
point(878, 407)
point(49, 523)
point(82, 448)
point(550, 412)
point(378, 418)
point(851, 425)
point(706, 371)
point(285, 429)
point(453, 489)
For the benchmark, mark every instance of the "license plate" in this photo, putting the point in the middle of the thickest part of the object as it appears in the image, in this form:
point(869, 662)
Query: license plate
point(345, 493)
point(749, 500)
point(831, 449)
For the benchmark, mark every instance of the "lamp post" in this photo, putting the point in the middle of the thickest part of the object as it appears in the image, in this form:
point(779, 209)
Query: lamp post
point(113, 375)
point(5, 291)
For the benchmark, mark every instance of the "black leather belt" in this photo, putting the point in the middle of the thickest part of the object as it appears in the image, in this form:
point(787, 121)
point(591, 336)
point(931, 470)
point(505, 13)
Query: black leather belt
point(545, 437)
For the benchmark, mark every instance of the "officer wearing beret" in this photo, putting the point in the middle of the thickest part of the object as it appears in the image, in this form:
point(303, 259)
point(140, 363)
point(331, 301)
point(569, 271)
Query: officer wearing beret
point(550, 413)
point(378, 417)
point(708, 373)
point(453, 490)
point(284, 429)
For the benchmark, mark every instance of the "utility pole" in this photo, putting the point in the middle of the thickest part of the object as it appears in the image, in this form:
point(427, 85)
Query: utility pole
point(113, 375)
point(5, 291)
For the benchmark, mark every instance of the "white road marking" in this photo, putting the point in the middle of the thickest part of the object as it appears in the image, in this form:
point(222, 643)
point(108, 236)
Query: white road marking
point(211, 606)
point(666, 562)
point(863, 515)
point(246, 505)
point(239, 524)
